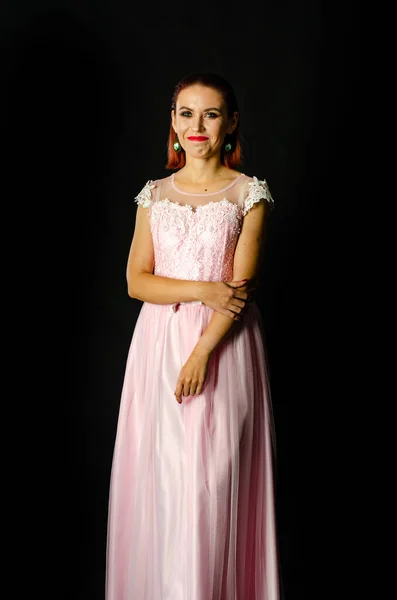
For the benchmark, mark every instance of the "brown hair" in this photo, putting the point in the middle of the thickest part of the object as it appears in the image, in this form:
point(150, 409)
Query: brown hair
point(231, 159)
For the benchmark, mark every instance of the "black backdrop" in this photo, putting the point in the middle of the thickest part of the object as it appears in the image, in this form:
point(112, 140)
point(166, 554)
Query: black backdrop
point(87, 89)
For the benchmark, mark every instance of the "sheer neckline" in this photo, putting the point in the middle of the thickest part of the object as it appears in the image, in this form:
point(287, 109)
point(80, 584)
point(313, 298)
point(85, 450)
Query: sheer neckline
point(193, 209)
point(224, 189)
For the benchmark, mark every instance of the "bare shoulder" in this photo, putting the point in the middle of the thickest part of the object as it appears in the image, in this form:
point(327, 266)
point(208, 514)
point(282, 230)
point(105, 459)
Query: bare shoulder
point(232, 174)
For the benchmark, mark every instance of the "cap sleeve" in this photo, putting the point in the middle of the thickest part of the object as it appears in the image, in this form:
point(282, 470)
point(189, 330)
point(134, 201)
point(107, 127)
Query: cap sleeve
point(257, 189)
point(144, 198)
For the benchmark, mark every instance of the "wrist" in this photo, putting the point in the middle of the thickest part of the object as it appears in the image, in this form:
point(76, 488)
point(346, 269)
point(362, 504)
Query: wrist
point(199, 291)
point(202, 350)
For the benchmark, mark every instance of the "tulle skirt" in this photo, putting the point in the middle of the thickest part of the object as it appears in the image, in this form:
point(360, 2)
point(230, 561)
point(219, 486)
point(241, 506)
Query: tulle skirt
point(191, 506)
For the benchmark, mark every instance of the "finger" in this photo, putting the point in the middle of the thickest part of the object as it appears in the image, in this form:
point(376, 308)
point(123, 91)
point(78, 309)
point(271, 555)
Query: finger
point(178, 393)
point(239, 304)
point(237, 308)
point(186, 389)
point(230, 313)
point(239, 298)
point(233, 315)
point(236, 284)
point(240, 294)
point(199, 387)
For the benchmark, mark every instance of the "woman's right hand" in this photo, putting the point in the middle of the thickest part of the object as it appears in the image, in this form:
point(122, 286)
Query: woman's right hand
point(229, 298)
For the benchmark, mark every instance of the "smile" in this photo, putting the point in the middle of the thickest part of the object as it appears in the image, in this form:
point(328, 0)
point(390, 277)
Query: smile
point(197, 138)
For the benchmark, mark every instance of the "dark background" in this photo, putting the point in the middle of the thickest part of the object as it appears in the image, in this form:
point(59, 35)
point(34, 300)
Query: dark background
point(87, 89)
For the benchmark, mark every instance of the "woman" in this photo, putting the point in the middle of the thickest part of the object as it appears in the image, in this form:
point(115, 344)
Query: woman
point(191, 508)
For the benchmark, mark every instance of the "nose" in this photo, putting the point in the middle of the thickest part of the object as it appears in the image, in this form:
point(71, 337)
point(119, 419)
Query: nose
point(197, 124)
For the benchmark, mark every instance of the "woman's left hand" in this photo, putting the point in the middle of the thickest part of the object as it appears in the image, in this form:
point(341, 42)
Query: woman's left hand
point(192, 376)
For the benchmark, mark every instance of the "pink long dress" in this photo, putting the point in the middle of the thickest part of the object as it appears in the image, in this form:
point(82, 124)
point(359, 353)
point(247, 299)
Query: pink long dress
point(191, 506)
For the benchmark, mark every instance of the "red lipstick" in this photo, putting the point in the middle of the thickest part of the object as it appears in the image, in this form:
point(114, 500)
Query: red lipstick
point(197, 138)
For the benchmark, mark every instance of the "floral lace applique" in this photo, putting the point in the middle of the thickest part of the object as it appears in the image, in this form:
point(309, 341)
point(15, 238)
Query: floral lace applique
point(195, 244)
point(144, 198)
point(226, 212)
point(258, 190)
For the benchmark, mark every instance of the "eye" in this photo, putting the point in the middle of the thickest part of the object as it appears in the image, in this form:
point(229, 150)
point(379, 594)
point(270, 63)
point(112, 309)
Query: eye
point(212, 115)
point(186, 113)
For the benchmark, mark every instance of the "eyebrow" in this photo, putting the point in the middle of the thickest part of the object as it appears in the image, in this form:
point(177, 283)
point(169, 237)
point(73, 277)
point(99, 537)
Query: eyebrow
point(205, 110)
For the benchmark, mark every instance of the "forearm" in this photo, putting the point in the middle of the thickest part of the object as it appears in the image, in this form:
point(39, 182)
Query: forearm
point(219, 327)
point(164, 290)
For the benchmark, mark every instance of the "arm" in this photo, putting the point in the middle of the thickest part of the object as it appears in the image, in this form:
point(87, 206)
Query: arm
point(142, 284)
point(229, 298)
point(247, 261)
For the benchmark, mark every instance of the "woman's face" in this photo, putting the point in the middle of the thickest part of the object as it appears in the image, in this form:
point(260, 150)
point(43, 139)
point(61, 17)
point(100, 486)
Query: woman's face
point(200, 120)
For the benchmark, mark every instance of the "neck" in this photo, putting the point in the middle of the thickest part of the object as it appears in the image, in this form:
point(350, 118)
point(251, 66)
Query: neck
point(200, 170)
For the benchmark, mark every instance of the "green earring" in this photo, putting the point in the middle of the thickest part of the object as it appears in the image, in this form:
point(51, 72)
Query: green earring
point(177, 146)
point(228, 147)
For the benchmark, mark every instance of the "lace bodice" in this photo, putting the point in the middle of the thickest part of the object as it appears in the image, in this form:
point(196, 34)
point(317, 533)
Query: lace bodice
point(195, 235)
